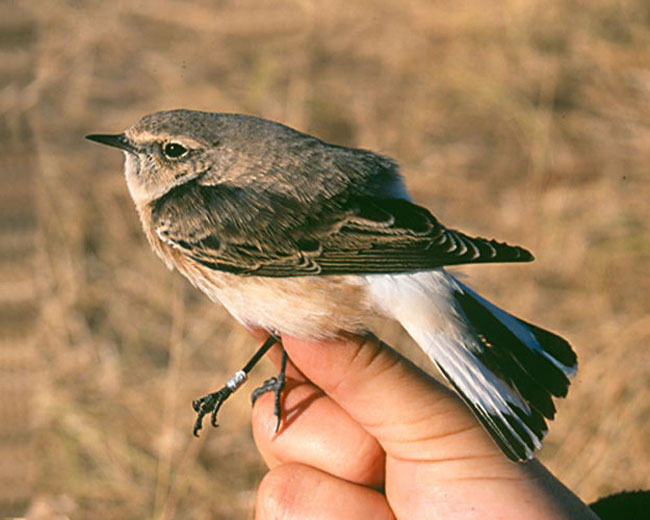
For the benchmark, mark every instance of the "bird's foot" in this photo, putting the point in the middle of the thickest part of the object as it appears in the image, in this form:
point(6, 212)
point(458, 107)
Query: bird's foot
point(209, 404)
point(275, 385)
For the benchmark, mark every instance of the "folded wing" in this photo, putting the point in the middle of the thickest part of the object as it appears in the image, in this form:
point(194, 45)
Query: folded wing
point(365, 236)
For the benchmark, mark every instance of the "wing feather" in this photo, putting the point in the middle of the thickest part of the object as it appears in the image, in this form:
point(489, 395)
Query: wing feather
point(364, 236)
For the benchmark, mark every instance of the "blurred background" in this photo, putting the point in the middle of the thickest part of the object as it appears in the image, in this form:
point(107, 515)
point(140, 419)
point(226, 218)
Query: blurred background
point(523, 120)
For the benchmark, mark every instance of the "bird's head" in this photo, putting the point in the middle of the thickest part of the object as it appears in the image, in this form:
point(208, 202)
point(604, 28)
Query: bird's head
point(169, 149)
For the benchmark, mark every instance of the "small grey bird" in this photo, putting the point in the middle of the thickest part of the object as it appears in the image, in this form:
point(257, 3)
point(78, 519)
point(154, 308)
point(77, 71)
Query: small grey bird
point(300, 237)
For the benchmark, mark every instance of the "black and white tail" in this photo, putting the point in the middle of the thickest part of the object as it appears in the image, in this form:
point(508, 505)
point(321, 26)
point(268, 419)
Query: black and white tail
point(505, 369)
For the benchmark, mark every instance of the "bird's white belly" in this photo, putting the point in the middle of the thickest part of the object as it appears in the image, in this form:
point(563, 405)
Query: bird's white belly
point(314, 307)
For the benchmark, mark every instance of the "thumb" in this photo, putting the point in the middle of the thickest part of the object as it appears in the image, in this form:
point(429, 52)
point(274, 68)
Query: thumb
point(438, 457)
point(411, 415)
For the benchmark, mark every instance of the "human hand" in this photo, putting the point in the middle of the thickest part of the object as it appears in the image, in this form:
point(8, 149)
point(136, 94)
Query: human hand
point(366, 434)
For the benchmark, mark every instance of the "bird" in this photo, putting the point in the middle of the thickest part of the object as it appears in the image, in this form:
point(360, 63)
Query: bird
point(299, 237)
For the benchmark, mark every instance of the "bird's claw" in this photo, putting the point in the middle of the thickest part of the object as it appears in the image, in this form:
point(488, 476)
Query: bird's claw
point(275, 385)
point(209, 404)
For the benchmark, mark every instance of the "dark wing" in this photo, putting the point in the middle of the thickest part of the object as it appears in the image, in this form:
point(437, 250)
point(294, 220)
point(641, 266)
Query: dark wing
point(369, 236)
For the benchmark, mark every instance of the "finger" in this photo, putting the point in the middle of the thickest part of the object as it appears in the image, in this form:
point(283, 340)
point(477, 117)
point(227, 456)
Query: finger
point(412, 416)
point(296, 491)
point(317, 432)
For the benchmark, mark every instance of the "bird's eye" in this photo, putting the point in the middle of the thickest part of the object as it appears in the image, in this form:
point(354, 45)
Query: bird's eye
point(174, 150)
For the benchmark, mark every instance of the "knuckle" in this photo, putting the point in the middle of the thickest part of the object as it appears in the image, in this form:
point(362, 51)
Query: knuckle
point(370, 358)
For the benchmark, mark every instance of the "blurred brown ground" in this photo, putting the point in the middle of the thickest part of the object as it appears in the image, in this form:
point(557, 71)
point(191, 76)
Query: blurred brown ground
point(523, 120)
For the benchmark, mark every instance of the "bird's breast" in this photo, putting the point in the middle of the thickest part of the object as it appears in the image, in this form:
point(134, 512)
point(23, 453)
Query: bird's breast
point(310, 307)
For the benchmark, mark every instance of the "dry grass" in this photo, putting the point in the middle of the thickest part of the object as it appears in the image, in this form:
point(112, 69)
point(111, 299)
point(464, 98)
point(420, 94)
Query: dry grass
point(524, 120)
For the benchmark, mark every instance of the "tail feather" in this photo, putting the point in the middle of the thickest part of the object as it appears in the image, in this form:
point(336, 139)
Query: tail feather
point(505, 369)
point(520, 353)
point(556, 348)
point(515, 428)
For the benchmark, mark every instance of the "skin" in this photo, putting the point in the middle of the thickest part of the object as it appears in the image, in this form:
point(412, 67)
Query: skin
point(366, 434)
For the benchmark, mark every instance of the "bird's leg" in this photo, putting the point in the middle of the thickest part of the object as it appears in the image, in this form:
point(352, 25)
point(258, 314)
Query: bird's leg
point(276, 385)
point(212, 402)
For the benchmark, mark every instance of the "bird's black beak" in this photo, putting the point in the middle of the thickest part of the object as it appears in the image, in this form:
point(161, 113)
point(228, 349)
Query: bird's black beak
point(118, 141)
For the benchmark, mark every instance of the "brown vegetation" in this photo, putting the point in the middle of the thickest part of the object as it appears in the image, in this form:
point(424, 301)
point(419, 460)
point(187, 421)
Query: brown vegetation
point(523, 120)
